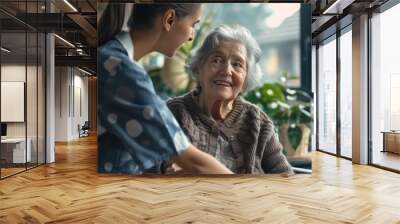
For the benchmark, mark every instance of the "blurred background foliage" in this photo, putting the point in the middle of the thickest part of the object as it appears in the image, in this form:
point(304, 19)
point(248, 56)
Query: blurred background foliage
point(289, 109)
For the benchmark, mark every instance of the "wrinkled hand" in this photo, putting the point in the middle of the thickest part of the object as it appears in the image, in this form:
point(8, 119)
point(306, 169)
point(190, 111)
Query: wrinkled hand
point(175, 169)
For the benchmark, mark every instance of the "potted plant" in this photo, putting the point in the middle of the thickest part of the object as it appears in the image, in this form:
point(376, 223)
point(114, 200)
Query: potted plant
point(289, 109)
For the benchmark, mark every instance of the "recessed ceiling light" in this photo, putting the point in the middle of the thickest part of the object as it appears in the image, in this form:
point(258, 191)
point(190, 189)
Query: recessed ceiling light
point(84, 71)
point(64, 40)
point(5, 50)
point(337, 7)
point(70, 5)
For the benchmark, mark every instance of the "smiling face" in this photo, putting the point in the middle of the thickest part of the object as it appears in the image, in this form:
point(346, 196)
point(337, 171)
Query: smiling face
point(224, 72)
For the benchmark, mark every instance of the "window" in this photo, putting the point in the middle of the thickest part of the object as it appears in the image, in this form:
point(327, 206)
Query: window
point(327, 96)
point(22, 74)
point(385, 84)
point(346, 94)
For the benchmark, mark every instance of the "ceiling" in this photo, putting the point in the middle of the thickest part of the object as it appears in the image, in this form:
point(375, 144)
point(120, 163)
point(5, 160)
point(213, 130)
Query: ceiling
point(75, 21)
point(72, 20)
point(330, 15)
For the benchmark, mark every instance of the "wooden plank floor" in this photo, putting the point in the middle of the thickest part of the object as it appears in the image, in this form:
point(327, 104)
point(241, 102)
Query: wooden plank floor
point(70, 191)
point(10, 171)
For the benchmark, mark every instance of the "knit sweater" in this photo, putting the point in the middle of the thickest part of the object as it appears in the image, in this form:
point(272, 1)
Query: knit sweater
point(245, 141)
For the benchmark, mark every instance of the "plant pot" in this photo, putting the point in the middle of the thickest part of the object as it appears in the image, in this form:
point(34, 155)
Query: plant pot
point(301, 150)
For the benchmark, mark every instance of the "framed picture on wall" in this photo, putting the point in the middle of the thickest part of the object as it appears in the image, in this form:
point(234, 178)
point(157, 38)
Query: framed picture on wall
point(12, 101)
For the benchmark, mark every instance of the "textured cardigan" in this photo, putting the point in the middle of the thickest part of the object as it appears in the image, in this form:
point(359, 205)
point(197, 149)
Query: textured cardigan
point(247, 135)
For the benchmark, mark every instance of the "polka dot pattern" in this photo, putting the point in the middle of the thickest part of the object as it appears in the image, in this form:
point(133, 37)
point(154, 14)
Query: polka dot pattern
point(125, 157)
point(134, 128)
point(163, 143)
point(100, 129)
point(148, 112)
point(110, 65)
point(112, 118)
point(108, 166)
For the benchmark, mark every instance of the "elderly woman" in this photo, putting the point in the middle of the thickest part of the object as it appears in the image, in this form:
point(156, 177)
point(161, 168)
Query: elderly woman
point(214, 116)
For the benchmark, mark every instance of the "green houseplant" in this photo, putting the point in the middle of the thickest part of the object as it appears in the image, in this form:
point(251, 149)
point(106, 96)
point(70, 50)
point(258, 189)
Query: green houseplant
point(289, 109)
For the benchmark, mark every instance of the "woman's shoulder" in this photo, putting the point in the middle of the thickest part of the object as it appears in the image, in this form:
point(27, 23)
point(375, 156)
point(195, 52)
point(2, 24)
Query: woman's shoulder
point(181, 102)
point(113, 58)
point(112, 48)
point(181, 110)
point(176, 101)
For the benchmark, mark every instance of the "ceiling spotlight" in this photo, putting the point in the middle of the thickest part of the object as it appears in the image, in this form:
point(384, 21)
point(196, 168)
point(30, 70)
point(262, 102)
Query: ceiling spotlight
point(70, 5)
point(337, 7)
point(64, 40)
point(84, 71)
point(79, 51)
point(5, 50)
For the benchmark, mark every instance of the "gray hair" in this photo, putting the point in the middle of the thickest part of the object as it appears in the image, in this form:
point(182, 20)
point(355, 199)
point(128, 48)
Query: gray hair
point(227, 33)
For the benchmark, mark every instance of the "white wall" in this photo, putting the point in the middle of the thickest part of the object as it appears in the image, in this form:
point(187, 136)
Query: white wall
point(71, 94)
point(385, 77)
point(61, 103)
point(16, 73)
point(12, 101)
point(388, 69)
point(81, 104)
point(13, 72)
point(33, 126)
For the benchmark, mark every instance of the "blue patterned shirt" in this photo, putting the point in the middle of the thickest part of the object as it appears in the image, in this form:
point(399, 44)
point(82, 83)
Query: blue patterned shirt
point(136, 130)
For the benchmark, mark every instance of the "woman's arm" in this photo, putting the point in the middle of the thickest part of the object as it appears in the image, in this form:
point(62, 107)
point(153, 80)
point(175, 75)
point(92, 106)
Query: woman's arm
point(273, 160)
point(196, 161)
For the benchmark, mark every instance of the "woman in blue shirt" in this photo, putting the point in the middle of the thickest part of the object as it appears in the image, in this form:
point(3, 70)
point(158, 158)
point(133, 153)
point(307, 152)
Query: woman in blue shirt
point(136, 129)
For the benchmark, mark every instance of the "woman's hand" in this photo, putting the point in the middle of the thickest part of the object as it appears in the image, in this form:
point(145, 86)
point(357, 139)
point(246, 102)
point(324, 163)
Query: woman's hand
point(174, 169)
point(193, 160)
